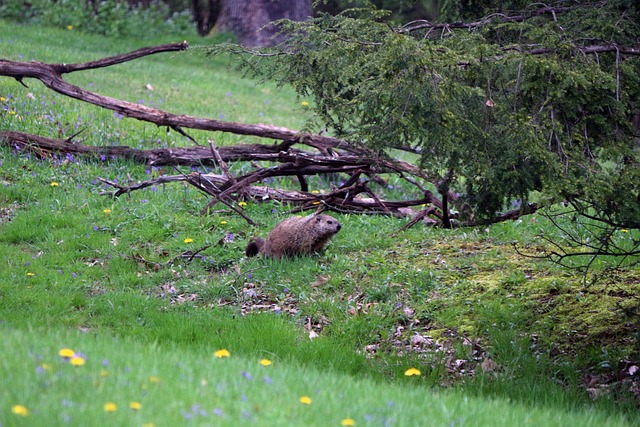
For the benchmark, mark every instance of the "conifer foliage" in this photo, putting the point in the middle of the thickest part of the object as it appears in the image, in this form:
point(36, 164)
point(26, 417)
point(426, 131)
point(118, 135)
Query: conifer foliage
point(540, 103)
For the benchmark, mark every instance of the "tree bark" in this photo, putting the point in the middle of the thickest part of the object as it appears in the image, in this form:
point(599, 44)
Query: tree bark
point(205, 14)
point(252, 20)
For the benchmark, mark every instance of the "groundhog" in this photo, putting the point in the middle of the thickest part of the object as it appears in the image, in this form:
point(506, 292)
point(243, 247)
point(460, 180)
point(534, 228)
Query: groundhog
point(296, 236)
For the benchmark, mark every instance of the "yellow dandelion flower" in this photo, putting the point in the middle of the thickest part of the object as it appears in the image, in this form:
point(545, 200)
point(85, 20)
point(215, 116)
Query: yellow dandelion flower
point(188, 240)
point(154, 379)
point(20, 410)
point(265, 362)
point(135, 405)
point(69, 27)
point(77, 361)
point(104, 373)
point(242, 204)
point(67, 353)
point(223, 222)
point(348, 422)
point(222, 353)
point(624, 230)
point(305, 400)
point(304, 103)
point(107, 211)
point(2, 99)
point(110, 407)
point(31, 274)
point(412, 371)
point(54, 184)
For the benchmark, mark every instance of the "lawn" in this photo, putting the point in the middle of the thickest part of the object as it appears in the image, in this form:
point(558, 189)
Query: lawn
point(498, 339)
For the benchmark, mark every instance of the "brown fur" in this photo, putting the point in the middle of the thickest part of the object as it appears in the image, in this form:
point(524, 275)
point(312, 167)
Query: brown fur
point(296, 236)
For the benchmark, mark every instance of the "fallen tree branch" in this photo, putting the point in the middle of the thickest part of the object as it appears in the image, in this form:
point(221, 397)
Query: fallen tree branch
point(339, 200)
point(333, 155)
point(177, 156)
point(226, 187)
point(51, 76)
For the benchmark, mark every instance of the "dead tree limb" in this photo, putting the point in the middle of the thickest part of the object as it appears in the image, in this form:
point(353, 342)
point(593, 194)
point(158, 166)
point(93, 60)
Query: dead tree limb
point(51, 76)
point(177, 156)
point(339, 200)
point(332, 155)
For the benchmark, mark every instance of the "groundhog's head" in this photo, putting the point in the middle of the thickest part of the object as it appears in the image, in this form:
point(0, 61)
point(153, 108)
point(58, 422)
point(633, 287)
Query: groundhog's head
point(325, 225)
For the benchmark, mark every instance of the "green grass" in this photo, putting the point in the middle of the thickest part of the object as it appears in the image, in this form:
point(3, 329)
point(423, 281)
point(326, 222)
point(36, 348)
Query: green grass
point(178, 386)
point(73, 259)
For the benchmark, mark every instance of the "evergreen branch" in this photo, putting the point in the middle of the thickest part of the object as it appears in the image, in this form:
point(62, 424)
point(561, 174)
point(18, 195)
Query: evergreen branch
point(423, 24)
point(584, 49)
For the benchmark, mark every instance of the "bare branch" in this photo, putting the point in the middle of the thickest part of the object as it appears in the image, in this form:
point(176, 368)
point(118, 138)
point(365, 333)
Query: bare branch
point(500, 17)
point(50, 75)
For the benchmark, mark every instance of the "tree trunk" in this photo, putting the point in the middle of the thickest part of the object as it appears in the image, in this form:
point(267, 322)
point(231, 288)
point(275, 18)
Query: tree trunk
point(250, 20)
point(205, 14)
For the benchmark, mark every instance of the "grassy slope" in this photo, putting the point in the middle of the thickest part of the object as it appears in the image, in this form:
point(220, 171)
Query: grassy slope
point(68, 264)
point(177, 386)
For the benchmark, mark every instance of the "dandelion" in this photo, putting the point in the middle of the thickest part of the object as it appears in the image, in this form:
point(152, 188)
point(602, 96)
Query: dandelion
point(69, 27)
point(223, 222)
point(107, 211)
point(77, 361)
point(154, 379)
point(305, 400)
point(67, 353)
point(29, 274)
point(222, 353)
point(104, 373)
point(265, 362)
point(624, 230)
point(54, 184)
point(242, 204)
point(411, 372)
point(348, 422)
point(188, 240)
point(20, 410)
point(304, 103)
point(135, 405)
point(110, 407)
